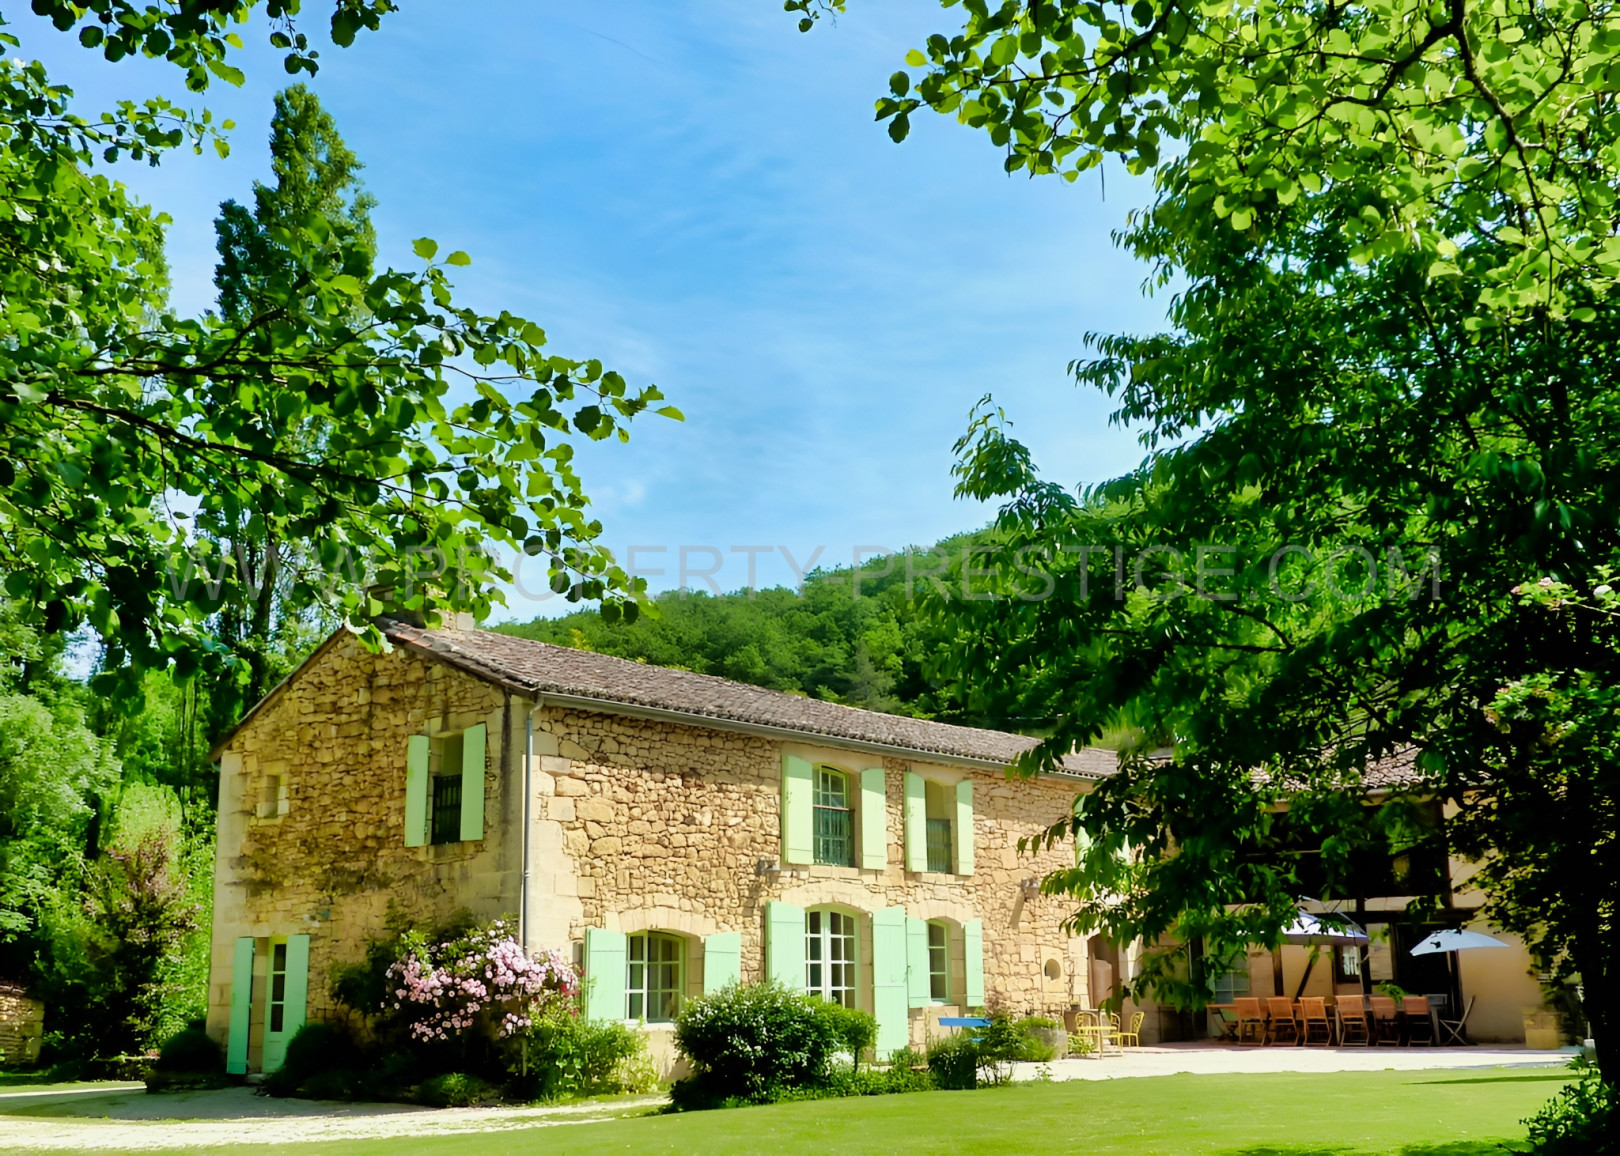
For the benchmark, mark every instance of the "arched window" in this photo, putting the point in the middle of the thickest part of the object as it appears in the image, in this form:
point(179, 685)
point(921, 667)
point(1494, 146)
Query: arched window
point(829, 956)
point(835, 820)
point(655, 973)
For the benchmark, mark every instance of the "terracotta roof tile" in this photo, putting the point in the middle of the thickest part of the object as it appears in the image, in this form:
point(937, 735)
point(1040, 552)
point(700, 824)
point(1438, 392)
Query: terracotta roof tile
point(561, 671)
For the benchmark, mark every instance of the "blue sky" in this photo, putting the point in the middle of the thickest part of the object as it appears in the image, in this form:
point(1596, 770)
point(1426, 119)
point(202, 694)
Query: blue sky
point(698, 195)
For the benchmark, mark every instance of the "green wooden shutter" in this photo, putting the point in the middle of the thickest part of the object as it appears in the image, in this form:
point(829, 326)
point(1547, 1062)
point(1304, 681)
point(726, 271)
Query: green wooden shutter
point(973, 949)
point(890, 1003)
point(604, 974)
point(874, 820)
point(964, 827)
point(722, 960)
point(916, 823)
point(798, 785)
point(784, 944)
point(416, 791)
point(236, 1043)
point(918, 989)
point(473, 741)
point(296, 1007)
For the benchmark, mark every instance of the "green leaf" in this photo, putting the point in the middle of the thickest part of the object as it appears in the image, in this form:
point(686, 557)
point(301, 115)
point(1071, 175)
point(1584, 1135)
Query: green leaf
point(425, 248)
point(458, 258)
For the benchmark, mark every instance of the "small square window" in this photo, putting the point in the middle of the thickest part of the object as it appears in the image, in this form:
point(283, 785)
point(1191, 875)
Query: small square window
point(272, 797)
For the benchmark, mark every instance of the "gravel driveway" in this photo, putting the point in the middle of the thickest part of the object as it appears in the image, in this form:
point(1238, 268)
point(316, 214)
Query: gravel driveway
point(130, 1120)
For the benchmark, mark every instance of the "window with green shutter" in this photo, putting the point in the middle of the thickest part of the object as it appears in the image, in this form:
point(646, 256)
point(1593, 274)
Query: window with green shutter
point(722, 960)
point(973, 959)
point(784, 944)
point(798, 825)
point(939, 962)
point(655, 977)
point(834, 819)
point(605, 974)
point(444, 787)
point(940, 810)
point(874, 814)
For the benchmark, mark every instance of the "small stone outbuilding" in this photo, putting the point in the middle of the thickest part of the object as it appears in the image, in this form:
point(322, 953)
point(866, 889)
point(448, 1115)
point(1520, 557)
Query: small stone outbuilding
point(22, 1025)
point(673, 831)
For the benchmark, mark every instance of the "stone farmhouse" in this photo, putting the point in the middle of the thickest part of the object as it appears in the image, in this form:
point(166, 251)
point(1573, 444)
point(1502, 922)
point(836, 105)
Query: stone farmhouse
point(675, 831)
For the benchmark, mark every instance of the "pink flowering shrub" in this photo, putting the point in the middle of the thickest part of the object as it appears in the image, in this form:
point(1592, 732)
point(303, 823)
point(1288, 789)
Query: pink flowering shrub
point(483, 977)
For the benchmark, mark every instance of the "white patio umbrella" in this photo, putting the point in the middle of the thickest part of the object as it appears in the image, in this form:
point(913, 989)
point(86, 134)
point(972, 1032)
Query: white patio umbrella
point(1455, 939)
point(1310, 930)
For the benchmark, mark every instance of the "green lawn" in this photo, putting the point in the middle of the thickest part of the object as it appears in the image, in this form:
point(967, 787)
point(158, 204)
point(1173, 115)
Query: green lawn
point(24, 1082)
point(1445, 1113)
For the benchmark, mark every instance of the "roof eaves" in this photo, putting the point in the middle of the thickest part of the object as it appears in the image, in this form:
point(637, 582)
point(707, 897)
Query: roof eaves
point(787, 734)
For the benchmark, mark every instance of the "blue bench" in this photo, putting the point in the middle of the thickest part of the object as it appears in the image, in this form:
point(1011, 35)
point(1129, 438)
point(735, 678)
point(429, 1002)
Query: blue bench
point(964, 1022)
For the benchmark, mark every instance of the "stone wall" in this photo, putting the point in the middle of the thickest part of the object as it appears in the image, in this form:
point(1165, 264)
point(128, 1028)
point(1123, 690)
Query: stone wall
point(651, 825)
point(635, 825)
point(22, 1024)
point(334, 865)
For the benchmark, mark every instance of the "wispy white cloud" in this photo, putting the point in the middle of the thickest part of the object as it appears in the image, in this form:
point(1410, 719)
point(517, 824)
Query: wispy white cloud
point(698, 195)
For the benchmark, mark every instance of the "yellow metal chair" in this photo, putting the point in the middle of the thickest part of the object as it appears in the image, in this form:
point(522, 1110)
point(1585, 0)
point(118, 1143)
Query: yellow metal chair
point(1133, 1037)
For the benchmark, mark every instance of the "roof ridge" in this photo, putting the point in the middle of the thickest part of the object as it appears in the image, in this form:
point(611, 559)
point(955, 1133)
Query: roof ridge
point(608, 679)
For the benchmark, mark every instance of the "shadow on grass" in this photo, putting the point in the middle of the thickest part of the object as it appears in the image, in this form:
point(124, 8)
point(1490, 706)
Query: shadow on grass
point(1456, 1148)
point(1562, 1075)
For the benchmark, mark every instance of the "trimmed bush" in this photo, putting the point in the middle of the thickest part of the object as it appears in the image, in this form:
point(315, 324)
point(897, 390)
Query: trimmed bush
point(572, 1056)
point(190, 1051)
point(315, 1048)
point(752, 1041)
point(855, 1030)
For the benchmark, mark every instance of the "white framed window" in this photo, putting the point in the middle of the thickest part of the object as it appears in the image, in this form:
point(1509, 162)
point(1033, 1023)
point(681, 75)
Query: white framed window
point(829, 956)
point(276, 1003)
point(834, 819)
point(1233, 982)
point(655, 973)
point(939, 963)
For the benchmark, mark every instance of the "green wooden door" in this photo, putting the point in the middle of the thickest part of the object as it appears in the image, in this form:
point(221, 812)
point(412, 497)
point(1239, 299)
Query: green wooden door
point(236, 1044)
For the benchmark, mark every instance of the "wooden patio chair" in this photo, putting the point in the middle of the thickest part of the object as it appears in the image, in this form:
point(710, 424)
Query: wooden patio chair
point(1453, 1030)
point(1386, 1026)
point(1419, 1021)
point(1280, 1019)
point(1352, 1013)
point(1132, 1037)
point(1315, 1025)
point(1251, 1020)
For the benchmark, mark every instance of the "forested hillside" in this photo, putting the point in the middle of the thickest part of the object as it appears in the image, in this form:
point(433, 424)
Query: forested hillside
point(861, 643)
